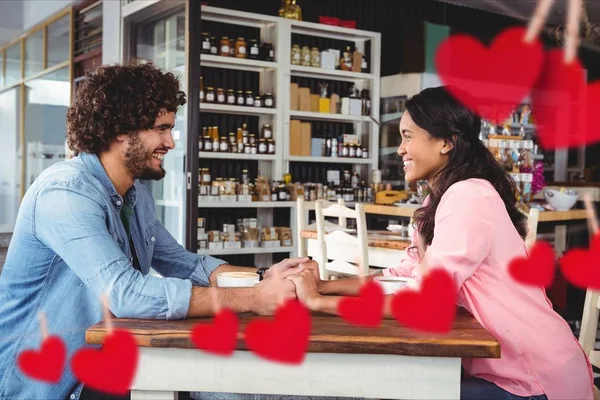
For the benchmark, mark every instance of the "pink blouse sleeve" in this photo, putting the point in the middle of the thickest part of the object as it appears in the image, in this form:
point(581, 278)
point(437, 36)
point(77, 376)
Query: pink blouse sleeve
point(463, 233)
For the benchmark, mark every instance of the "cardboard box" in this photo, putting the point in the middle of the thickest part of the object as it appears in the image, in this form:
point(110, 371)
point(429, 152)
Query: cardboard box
point(201, 222)
point(304, 99)
point(355, 106)
point(334, 104)
point(232, 245)
point(244, 198)
point(294, 97)
point(324, 105)
point(228, 198)
point(305, 137)
point(356, 61)
point(314, 102)
point(345, 107)
point(295, 149)
point(201, 232)
point(327, 60)
point(215, 245)
point(316, 145)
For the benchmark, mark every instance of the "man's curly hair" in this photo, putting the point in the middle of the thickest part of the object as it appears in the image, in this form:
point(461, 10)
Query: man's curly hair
point(119, 99)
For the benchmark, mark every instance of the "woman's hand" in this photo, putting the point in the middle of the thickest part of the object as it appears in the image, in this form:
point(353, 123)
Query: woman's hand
point(306, 288)
point(313, 267)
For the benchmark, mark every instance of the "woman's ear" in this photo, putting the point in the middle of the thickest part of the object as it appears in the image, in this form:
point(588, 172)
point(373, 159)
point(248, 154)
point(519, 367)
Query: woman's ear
point(447, 147)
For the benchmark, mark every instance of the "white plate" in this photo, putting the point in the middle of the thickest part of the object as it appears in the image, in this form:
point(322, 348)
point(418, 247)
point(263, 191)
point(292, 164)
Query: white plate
point(395, 228)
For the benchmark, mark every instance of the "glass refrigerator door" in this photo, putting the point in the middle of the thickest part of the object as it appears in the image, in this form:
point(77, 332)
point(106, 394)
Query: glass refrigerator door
point(390, 163)
point(162, 41)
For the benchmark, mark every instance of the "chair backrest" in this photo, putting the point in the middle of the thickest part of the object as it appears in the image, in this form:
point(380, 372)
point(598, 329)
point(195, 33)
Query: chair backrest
point(589, 327)
point(532, 225)
point(302, 209)
point(348, 252)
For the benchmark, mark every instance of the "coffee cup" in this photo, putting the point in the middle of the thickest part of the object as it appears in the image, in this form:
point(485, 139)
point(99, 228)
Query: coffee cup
point(392, 284)
point(237, 279)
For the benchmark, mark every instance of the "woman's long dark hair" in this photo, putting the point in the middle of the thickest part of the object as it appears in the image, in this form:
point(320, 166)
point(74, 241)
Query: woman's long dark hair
point(437, 112)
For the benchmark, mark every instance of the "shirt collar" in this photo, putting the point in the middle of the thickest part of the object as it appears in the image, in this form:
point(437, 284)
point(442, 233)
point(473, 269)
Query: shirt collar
point(92, 163)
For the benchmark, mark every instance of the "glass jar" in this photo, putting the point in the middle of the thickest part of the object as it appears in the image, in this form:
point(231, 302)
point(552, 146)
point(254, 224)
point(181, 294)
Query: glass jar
point(210, 95)
point(215, 144)
point(270, 146)
point(206, 178)
point(257, 101)
point(352, 151)
point(230, 97)
point(231, 47)
point(262, 146)
point(205, 43)
point(359, 152)
point(305, 56)
point(247, 149)
point(268, 53)
point(315, 58)
point(249, 98)
point(224, 47)
point(267, 132)
point(202, 92)
point(281, 192)
point(214, 49)
point(269, 102)
point(252, 139)
point(223, 146)
point(207, 143)
point(220, 96)
point(345, 151)
point(240, 99)
point(232, 138)
point(240, 48)
point(296, 56)
point(253, 50)
point(253, 149)
point(365, 153)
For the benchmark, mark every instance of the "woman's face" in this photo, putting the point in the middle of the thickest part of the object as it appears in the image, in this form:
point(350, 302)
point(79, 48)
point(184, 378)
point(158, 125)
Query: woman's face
point(423, 155)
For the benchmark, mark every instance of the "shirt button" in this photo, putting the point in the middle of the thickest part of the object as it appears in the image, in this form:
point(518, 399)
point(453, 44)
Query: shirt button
point(72, 396)
point(152, 239)
point(118, 202)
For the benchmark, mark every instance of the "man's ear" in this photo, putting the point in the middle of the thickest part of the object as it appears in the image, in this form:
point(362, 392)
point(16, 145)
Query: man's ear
point(121, 137)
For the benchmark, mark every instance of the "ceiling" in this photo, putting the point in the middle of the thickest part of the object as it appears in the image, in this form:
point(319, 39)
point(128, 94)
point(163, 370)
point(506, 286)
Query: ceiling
point(523, 9)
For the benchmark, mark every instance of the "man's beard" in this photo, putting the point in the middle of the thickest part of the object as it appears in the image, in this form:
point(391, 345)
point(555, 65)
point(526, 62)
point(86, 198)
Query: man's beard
point(138, 158)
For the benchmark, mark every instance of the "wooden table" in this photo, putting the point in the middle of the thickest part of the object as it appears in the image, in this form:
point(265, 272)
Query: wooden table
point(391, 362)
point(560, 230)
point(385, 247)
point(396, 211)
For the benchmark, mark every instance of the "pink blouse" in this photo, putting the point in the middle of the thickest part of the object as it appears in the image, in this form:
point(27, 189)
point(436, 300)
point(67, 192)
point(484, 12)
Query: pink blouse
point(474, 240)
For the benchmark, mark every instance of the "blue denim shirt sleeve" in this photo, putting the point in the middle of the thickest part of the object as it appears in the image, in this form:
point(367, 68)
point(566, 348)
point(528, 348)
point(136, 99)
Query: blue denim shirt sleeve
point(170, 259)
point(69, 220)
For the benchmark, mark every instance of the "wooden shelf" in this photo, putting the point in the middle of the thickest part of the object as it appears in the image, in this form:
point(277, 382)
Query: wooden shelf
point(328, 117)
point(239, 110)
point(320, 73)
point(236, 156)
point(337, 160)
point(252, 204)
point(243, 64)
point(253, 250)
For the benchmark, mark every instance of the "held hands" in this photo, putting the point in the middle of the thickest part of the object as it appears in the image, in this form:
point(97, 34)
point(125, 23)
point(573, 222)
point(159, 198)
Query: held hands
point(306, 288)
point(287, 267)
point(274, 289)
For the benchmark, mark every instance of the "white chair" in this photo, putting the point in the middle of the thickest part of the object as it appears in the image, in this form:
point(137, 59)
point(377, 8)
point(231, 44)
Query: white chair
point(532, 225)
point(350, 254)
point(302, 222)
point(589, 330)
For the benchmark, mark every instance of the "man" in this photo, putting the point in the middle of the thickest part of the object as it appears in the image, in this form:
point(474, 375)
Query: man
point(87, 227)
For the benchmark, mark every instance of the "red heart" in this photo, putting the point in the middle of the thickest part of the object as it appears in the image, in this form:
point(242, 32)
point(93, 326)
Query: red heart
point(218, 337)
point(285, 339)
point(537, 269)
point(489, 81)
point(47, 364)
point(433, 309)
point(582, 267)
point(110, 369)
point(561, 99)
point(365, 310)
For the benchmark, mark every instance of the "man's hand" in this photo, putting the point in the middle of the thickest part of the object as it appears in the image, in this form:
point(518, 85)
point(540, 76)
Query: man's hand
point(270, 293)
point(306, 288)
point(287, 267)
point(313, 267)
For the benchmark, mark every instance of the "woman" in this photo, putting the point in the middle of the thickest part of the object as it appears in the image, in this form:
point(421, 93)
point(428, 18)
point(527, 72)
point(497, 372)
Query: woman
point(470, 226)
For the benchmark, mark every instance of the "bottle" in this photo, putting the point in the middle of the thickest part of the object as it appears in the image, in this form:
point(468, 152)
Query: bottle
point(214, 50)
point(230, 97)
point(352, 151)
point(254, 51)
point(240, 140)
point(220, 96)
point(334, 147)
point(201, 90)
point(205, 43)
point(305, 56)
point(262, 146)
point(270, 146)
point(210, 95)
point(364, 65)
point(240, 48)
point(295, 55)
point(240, 99)
point(224, 47)
point(274, 193)
point(223, 145)
point(245, 137)
point(249, 98)
point(215, 139)
point(328, 144)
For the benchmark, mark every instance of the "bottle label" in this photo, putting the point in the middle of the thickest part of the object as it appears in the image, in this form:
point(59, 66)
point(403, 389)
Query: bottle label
point(223, 147)
point(224, 49)
point(221, 98)
point(231, 100)
point(271, 149)
point(206, 178)
point(262, 148)
point(205, 45)
point(247, 150)
point(249, 102)
point(364, 64)
point(254, 51)
point(271, 53)
point(273, 196)
point(208, 146)
point(213, 50)
point(242, 50)
point(282, 196)
point(257, 103)
point(240, 101)
point(210, 97)
point(269, 103)
point(202, 95)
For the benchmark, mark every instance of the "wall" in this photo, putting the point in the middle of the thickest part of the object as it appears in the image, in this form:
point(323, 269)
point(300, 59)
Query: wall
point(35, 11)
point(11, 20)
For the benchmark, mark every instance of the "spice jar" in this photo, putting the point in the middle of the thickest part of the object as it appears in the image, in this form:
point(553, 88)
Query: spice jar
point(240, 100)
point(223, 146)
point(253, 149)
point(214, 50)
point(240, 48)
point(345, 151)
point(252, 139)
point(269, 102)
point(305, 56)
point(232, 138)
point(358, 152)
point(205, 43)
point(206, 178)
point(247, 149)
point(365, 153)
point(315, 58)
point(207, 143)
point(267, 132)
point(215, 144)
point(257, 101)
point(352, 151)
point(268, 54)
point(230, 97)
point(262, 146)
point(254, 51)
point(220, 96)
point(231, 47)
point(270, 146)
point(210, 95)
point(296, 56)
point(224, 46)
point(249, 98)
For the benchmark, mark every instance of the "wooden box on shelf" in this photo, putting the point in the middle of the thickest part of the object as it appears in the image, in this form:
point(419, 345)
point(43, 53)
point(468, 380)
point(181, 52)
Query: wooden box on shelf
point(304, 99)
point(295, 148)
point(294, 97)
point(305, 136)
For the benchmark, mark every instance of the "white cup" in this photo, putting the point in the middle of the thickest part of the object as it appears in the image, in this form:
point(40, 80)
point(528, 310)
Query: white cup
point(237, 279)
point(392, 284)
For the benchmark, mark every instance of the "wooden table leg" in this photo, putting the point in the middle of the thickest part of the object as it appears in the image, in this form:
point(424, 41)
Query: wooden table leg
point(152, 395)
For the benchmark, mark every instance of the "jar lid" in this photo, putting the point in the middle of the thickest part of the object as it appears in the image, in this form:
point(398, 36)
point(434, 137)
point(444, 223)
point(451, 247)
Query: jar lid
point(257, 97)
point(205, 33)
point(240, 91)
point(296, 45)
point(240, 38)
point(252, 134)
point(248, 91)
point(266, 126)
point(315, 48)
point(224, 37)
point(221, 89)
point(210, 88)
point(261, 140)
point(254, 40)
point(268, 94)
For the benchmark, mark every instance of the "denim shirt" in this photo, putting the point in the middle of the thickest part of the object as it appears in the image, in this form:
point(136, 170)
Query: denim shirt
point(69, 246)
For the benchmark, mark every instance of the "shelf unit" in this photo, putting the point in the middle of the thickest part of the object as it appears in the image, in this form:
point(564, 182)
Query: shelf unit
point(275, 77)
point(251, 250)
